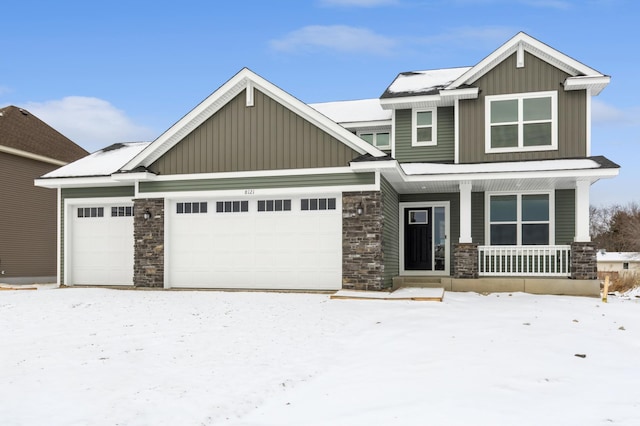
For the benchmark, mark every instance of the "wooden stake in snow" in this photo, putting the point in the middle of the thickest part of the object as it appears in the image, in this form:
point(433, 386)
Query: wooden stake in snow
point(605, 291)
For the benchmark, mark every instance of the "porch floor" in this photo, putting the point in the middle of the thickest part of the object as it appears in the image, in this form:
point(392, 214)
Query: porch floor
point(407, 293)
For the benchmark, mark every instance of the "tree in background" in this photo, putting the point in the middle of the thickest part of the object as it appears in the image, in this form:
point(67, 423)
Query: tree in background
point(616, 228)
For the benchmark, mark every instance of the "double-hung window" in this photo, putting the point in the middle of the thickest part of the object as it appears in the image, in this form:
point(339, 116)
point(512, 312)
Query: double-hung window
point(424, 129)
point(520, 219)
point(377, 139)
point(521, 122)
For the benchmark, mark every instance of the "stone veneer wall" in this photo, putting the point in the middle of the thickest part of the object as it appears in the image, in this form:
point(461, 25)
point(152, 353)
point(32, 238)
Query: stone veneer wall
point(148, 266)
point(465, 260)
point(362, 256)
point(584, 261)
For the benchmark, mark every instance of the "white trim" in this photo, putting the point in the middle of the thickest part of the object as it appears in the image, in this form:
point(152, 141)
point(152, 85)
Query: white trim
point(81, 182)
point(456, 132)
point(442, 99)
point(249, 94)
point(465, 189)
point(58, 235)
point(582, 211)
point(31, 156)
point(434, 127)
point(520, 56)
point(594, 83)
point(364, 124)
point(255, 173)
point(393, 134)
point(520, 97)
point(447, 231)
point(588, 121)
point(167, 243)
point(519, 194)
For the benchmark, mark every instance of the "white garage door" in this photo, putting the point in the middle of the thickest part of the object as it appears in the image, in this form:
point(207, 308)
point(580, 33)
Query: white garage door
point(269, 243)
point(101, 244)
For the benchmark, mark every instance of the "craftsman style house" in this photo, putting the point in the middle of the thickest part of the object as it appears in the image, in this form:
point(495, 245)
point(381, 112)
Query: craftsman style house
point(29, 148)
point(459, 177)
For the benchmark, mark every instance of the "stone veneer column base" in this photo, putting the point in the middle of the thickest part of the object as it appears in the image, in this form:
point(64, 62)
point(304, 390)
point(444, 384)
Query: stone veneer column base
point(362, 258)
point(148, 265)
point(584, 261)
point(465, 260)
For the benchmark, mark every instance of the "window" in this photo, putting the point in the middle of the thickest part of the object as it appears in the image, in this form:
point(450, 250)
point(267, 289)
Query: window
point(232, 206)
point(90, 212)
point(424, 131)
point(625, 265)
point(191, 207)
point(519, 219)
point(121, 211)
point(524, 122)
point(377, 139)
point(418, 217)
point(274, 205)
point(318, 204)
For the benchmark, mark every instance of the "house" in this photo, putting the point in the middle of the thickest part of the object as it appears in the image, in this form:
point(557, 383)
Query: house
point(618, 263)
point(29, 148)
point(473, 178)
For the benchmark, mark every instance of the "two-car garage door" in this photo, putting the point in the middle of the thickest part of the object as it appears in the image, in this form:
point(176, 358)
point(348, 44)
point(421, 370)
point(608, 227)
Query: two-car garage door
point(278, 242)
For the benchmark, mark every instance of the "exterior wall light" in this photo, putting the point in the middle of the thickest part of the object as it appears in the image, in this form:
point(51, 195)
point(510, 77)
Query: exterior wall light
point(359, 209)
point(147, 214)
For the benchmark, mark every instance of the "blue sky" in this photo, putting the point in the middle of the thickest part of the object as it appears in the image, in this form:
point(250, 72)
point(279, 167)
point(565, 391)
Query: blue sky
point(105, 72)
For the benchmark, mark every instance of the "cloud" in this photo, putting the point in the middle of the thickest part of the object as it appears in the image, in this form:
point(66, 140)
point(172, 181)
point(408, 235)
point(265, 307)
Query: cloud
point(551, 4)
point(92, 123)
point(482, 37)
point(339, 38)
point(358, 3)
point(605, 114)
point(5, 90)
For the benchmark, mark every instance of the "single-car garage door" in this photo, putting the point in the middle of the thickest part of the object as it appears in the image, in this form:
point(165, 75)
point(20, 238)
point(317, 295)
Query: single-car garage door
point(101, 244)
point(276, 242)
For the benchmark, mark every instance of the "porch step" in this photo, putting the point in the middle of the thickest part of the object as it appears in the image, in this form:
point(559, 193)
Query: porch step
point(416, 282)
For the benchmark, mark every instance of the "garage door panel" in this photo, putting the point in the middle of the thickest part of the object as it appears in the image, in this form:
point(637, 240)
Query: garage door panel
point(269, 249)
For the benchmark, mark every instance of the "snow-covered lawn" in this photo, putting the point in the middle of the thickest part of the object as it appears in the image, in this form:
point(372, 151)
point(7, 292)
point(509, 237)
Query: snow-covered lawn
point(125, 357)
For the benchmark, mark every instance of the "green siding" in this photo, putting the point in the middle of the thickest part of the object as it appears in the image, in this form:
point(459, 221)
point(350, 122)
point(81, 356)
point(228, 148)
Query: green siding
point(443, 152)
point(477, 217)
point(565, 216)
point(390, 232)
point(296, 181)
point(104, 192)
point(454, 213)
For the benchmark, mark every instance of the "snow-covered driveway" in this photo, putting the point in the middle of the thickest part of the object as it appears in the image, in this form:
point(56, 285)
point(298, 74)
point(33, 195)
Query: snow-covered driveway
point(126, 357)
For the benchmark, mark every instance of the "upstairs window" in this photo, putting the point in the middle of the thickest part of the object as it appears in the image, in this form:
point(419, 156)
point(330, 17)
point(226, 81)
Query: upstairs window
point(378, 139)
point(424, 129)
point(522, 122)
point(519, 219)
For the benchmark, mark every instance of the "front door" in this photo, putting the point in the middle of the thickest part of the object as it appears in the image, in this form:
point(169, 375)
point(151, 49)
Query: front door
point(425, 238)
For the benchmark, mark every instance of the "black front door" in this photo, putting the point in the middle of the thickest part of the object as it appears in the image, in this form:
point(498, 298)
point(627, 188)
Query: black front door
point(418, 239)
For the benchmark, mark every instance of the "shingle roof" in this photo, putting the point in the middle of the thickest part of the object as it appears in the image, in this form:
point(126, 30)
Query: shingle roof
point(19, 129)
point(420, 83)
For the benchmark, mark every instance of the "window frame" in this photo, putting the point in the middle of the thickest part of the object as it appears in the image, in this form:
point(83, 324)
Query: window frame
point(519, 222)
point(375, 134)
point(434, 126)
point(520, 97)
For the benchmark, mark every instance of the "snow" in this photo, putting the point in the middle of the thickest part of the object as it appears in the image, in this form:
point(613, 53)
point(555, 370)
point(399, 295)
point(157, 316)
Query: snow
point(100, 163)
point(353, 111)
point(103, 357)
point(618, 256)
point(425, 81)
point(522, 166)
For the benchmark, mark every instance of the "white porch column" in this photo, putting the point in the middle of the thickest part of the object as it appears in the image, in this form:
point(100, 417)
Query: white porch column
point(582, 211)
point(465, 212)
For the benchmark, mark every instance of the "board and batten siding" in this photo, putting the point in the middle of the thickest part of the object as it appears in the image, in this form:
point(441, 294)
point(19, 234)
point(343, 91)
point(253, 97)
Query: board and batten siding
point(266, 136)
point(443, 152)
point(565, 216)
point(390, 232)
point(104, 192)
point(28, 219)
point(536, 76)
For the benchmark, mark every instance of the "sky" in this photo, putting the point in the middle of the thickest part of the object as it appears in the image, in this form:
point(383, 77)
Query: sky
point(106, 72)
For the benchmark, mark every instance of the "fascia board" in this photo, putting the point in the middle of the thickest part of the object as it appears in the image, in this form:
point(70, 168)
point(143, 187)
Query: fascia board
point(254, 174)
point(365, 124)
point(134, 177)
point(368, 166)
point(31, 156)
point(402, 102)
point(594, 83)
point(585, 173)
point(531, 45)
point(467, 93)
point(77, 182)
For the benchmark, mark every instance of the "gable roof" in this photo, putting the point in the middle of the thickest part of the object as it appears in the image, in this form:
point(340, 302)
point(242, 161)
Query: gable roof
point(23, 133)
point(522, 42)
point(247, 80)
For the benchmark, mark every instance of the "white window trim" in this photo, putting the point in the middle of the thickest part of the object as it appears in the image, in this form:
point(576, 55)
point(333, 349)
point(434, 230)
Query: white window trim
point(434, 127)
point(518, 222)
point(519, 97)
point(375, 136)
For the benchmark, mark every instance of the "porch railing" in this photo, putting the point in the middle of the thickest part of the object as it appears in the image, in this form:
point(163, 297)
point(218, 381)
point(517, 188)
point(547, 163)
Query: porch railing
point(548, 261)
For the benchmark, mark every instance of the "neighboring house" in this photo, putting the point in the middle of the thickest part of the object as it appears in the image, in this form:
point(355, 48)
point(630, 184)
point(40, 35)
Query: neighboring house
point(29, 148)
point(621, 263)
point(456, 177)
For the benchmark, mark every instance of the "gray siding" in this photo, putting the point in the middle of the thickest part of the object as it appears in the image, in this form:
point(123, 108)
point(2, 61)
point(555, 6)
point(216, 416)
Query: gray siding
point(297, 181)
point(565, 214)
point(537, 75)
point(267, 136)
point(390, 232)
point(477, 217)
point(454, 211)
point(443, 152)
point(106, 192)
